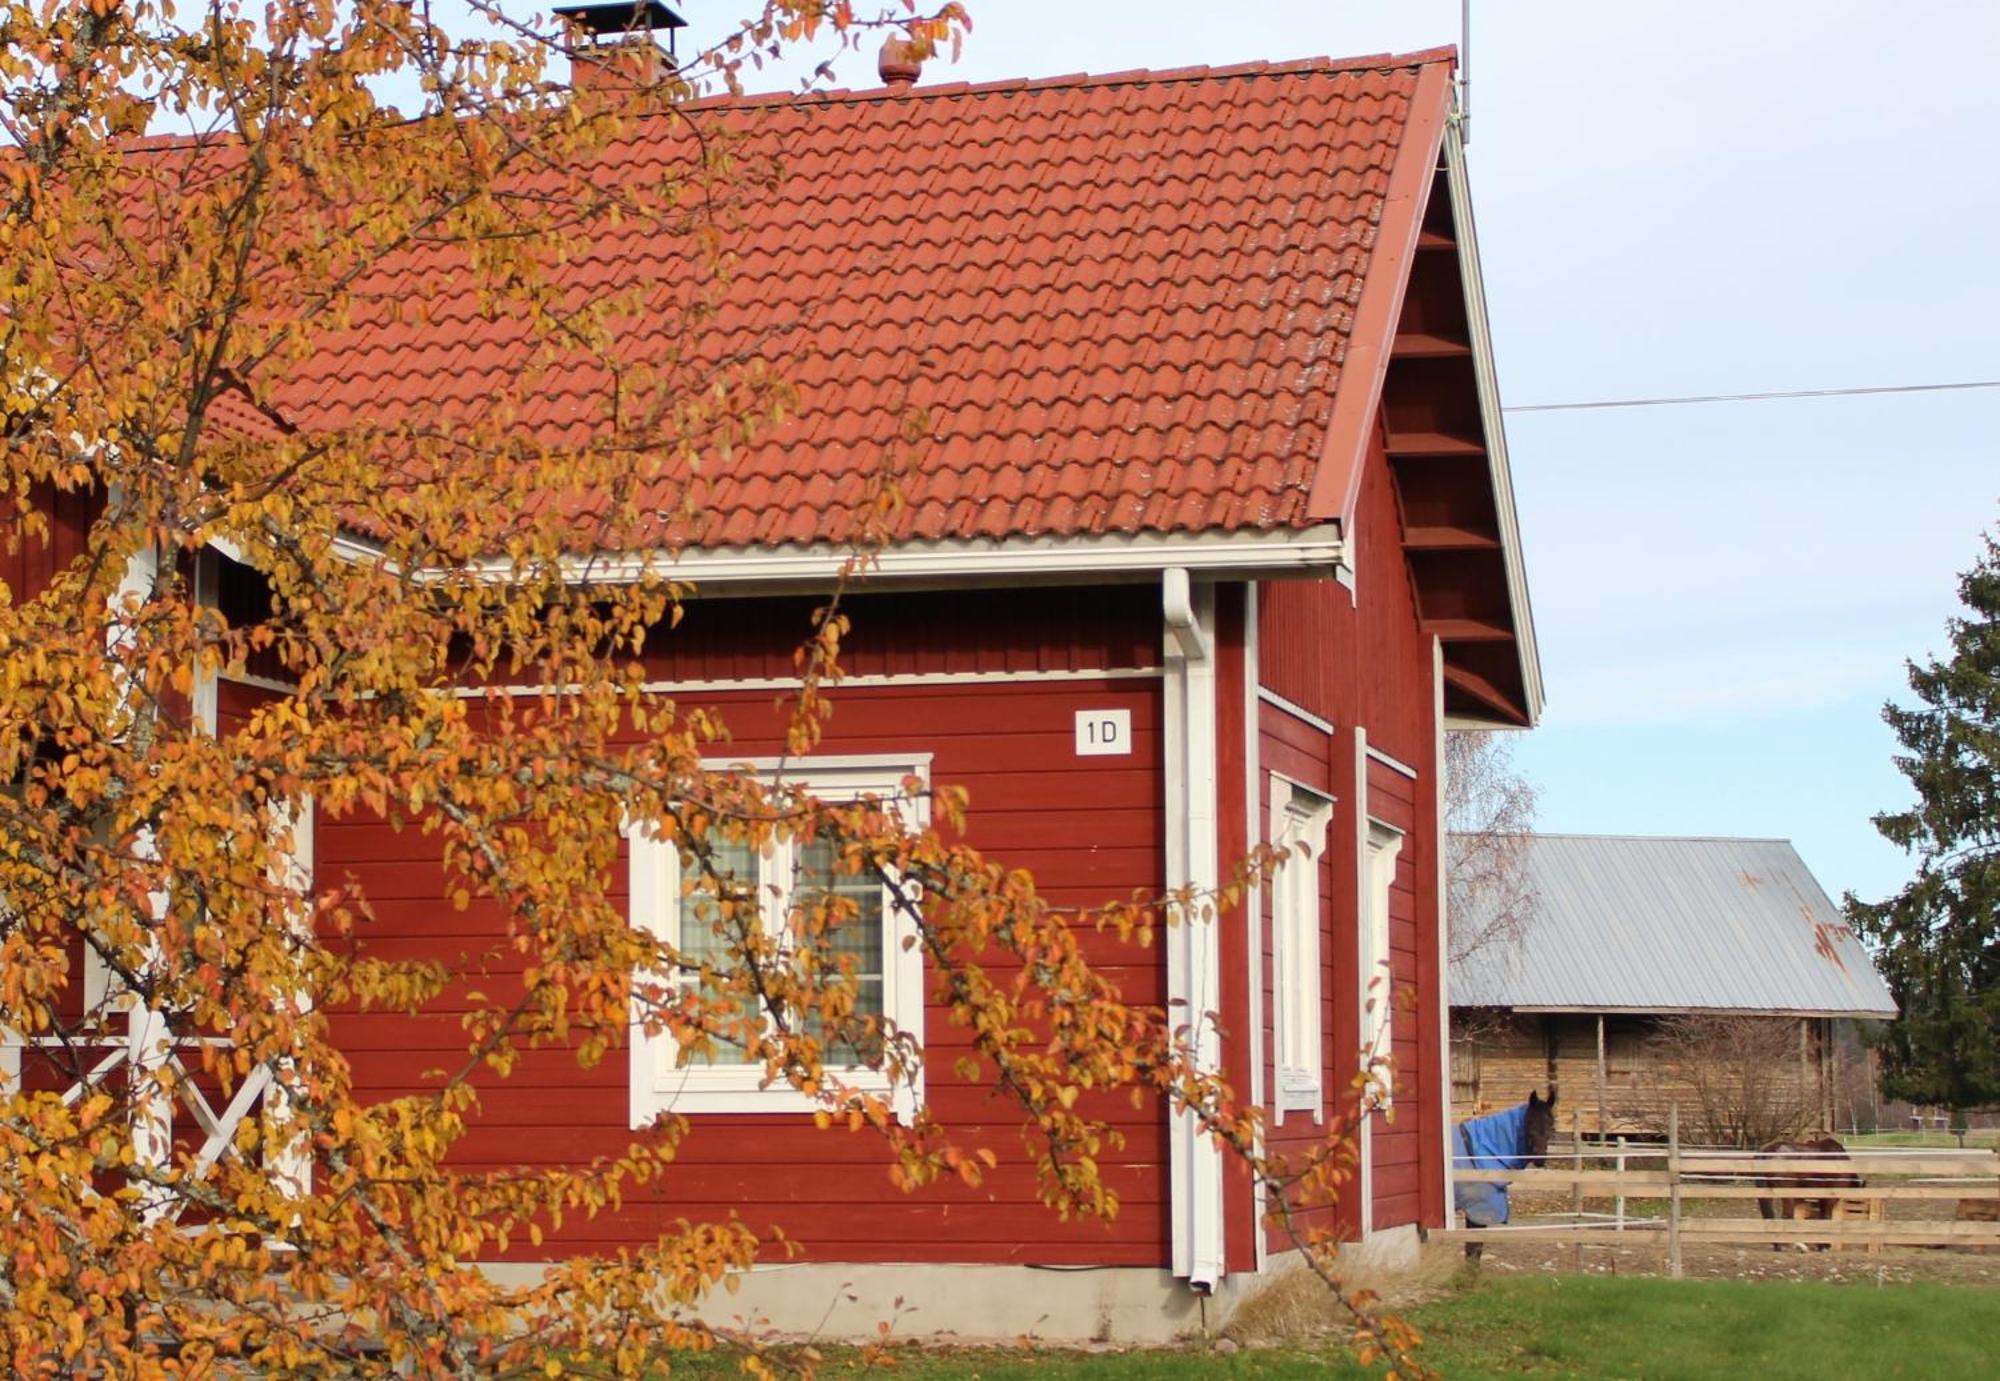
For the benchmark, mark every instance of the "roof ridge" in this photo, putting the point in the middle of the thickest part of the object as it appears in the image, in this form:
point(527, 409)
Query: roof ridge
point(1134, 76)
point(1131, 76)
point(1655, 838)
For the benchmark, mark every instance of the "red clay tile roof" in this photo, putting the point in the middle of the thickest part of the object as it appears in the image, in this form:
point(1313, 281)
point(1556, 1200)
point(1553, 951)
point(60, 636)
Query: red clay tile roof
point(1123, 301)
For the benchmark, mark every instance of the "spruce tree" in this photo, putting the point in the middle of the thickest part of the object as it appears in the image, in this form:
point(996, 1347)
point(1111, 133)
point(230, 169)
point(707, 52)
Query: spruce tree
point(1938, 940)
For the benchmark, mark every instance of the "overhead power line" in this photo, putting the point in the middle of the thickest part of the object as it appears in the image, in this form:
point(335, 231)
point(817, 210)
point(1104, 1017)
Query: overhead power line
point(1753, 397)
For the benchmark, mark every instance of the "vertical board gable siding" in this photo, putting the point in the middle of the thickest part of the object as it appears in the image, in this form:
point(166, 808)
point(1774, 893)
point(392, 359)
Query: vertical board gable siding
point(1088, 828)
point(1393, 697)
point(914, 633)
point(1297, 632)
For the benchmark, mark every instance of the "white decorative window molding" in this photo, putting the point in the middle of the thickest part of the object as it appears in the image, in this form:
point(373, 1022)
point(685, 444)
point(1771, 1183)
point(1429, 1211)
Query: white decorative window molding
point(888, 963)
point(1300, 819)
point(1383, 846)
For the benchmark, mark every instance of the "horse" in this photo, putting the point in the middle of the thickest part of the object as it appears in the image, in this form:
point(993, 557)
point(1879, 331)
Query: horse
point(1818, 1206)
point(1508, 1140)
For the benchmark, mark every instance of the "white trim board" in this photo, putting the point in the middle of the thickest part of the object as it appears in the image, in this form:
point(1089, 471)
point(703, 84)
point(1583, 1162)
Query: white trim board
point(915, 678)
point(1111, 556)
point(1446, 1131)
point(1365, 1171)
point(1492, 419)
point(1253, 905)
point(1296, 711)
point(256, 682)
point(1395, 765)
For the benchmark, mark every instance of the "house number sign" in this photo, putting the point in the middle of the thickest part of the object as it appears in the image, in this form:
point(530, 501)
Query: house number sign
point(1103, 733)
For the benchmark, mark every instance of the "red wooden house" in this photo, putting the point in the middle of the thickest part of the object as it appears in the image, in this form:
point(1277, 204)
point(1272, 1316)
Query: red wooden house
point(1209, 539)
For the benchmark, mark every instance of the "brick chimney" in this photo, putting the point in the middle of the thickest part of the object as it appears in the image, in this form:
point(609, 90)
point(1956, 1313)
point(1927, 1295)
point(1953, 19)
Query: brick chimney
point(613, 43)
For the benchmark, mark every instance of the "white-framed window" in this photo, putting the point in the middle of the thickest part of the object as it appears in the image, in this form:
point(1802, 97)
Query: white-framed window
point(888, 965)
point(1378, 996)
point(1299, 822)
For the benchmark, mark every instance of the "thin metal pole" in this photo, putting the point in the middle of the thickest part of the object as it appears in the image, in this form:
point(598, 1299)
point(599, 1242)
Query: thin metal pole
point(1465, 72)
point(1674, 1191)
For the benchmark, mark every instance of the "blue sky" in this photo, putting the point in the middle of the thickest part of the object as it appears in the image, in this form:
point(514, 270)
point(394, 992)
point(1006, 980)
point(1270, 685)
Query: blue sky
point(1690, 196)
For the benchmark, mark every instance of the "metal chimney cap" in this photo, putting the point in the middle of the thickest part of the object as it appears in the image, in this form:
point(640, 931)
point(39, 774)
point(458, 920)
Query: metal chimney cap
point(622, 17)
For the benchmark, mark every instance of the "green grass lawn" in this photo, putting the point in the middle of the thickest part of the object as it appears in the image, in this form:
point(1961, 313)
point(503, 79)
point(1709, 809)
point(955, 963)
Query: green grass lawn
point(1662, 1329)
point(1936, 1141)
point(1571, 1326)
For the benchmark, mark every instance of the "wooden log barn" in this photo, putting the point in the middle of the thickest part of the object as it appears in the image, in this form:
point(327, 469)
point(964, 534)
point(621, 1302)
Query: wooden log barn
point(1622, 939)
point(1209, 538)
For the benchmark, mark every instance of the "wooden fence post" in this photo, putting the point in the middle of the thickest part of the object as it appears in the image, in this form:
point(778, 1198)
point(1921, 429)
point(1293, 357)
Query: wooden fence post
point(1621, 1184)
point(1674, 1191)
point(1576, 1185)
point(1603, 1115)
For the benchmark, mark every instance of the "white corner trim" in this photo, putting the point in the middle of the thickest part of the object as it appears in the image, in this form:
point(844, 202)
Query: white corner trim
point(1393, 764)
point(1438, 788)
point(1253, 905)
point(1295, 710)
point(1366, 1178)
point(1492, 419)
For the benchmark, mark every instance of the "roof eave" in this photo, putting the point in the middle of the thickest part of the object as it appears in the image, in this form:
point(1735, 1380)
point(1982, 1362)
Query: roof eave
point(1613, 1010)
point(1493, 419)
point(1371, 340)
point(1275, 554)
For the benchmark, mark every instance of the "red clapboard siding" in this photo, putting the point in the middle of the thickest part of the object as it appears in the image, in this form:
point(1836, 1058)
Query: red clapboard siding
point(29, 562)
point(1089, 829)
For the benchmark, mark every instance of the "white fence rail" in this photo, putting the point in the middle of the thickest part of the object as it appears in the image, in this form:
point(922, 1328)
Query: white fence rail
point(1850, 1211)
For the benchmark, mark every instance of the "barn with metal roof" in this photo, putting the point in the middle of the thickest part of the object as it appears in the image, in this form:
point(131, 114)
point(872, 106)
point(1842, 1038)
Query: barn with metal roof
point(1626, 947)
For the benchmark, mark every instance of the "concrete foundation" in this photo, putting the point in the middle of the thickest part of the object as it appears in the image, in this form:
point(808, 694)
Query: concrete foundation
point(1108, 1304)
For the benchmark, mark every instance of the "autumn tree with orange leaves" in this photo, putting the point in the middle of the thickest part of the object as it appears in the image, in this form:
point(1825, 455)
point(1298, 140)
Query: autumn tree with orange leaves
point(201, 200)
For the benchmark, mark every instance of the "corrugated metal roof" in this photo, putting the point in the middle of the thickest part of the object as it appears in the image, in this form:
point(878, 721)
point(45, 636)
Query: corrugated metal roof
point(1633, 924)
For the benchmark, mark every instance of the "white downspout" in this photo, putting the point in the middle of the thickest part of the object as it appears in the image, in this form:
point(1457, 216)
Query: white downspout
point(1193, 959)
point(1253, 906)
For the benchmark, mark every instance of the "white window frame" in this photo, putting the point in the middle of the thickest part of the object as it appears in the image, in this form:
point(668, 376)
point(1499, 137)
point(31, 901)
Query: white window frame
point(1300, 820)
point(1382, 845)
point(659, 1082)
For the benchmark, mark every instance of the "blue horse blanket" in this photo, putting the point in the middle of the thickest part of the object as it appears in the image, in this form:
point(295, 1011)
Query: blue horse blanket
point(1498, 1141)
